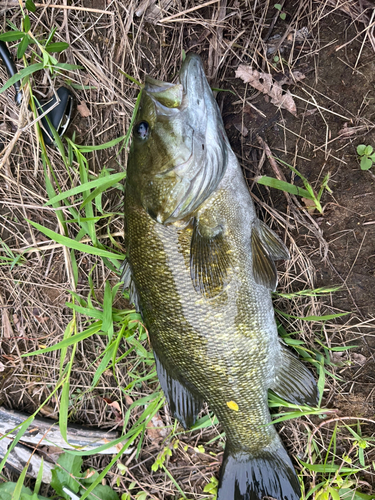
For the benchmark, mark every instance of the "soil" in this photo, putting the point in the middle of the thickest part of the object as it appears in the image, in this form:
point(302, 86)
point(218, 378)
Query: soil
point(335, 113)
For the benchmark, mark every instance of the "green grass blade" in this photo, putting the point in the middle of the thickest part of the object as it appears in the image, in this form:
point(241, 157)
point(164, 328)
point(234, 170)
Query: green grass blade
point(131, 78)
point(108, 354)
point(283, 186)
point(329, 468)
point(67, 335)
point(21, 74)
point(128, 133)
point(316, 292)
point(38, 482)
point(110, 181)
point(20, 433)
point(90, 312)
point(67, 342)
point(68, 242)
point(19, 485)
point(107, 311)
point(105, 184)
point(327, 317)
point(110, 144)
point(64, 407)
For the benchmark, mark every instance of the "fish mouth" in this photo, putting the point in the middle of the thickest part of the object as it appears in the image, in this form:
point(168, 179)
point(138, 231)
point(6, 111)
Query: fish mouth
point(167, 97)
point(192, 76)
point(175, 96)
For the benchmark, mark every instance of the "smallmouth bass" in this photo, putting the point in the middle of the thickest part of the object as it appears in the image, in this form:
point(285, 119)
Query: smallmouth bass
point(200, 269)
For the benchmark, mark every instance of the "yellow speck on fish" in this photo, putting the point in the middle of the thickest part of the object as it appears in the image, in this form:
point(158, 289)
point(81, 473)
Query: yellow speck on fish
point(232, 405)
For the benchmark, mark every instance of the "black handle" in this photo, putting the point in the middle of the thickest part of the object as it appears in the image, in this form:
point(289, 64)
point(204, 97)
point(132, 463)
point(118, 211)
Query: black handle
point(11, 68)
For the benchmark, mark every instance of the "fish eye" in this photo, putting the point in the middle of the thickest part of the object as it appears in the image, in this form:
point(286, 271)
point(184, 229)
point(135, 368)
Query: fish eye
point(142, 130)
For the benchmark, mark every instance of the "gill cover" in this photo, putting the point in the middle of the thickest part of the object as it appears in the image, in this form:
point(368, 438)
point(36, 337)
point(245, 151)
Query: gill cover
point(179, 149)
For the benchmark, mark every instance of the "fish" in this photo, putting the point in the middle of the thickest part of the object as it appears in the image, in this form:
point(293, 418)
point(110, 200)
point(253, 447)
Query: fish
point(200, 268)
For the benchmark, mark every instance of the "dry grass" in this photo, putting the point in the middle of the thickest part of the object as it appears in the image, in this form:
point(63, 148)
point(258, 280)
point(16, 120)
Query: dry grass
point(143, 40)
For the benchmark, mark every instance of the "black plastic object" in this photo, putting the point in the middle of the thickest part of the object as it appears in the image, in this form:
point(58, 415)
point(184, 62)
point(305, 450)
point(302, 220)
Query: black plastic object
point(59, 116)
point(11, 68)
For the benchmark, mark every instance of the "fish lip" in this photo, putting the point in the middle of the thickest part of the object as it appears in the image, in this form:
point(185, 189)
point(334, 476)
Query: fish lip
point(192, 76)
point(167, 97)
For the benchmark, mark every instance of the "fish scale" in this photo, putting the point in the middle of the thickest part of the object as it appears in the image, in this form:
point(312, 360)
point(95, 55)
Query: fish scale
point(201, 265)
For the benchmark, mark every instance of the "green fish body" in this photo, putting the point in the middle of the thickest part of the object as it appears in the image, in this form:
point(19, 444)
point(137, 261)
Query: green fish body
point(200, 269)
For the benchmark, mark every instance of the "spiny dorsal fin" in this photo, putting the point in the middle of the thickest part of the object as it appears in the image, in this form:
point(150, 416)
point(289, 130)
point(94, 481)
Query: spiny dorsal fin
point(183, 403)
point(266, 248)
point(126, 277)
point(294, 382)
point(209, 259)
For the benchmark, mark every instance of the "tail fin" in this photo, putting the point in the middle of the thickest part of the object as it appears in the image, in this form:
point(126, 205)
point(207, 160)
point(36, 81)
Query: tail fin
point(271, 474)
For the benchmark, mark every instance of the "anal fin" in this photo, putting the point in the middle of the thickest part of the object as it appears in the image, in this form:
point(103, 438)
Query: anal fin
point(294, 382)
point(184, 405)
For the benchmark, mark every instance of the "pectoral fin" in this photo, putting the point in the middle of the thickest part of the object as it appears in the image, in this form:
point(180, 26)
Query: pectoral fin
point(209, 259)
point(183, 403)
point(266, 248)
point(294, 382)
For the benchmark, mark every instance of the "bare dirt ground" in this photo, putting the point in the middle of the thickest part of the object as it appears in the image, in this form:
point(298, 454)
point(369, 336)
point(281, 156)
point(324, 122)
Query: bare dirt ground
point(332, 45)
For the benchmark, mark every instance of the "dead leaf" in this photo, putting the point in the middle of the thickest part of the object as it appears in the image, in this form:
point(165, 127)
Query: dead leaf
point(156, 429)
point(89, 473)
point(298, 35)
point(152, 9)
point(358, 358)
point(49, 411)
point(128, 400)
point(83, 110)
point(7, 327)
point(337, 357)
point(268, 86)
point(17, 321)
point(115, 406)
point(309, 204)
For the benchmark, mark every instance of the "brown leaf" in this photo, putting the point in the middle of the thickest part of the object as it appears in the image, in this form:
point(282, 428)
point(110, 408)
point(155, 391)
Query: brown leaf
point(83, 110)
point(266, 84)
point(309, 204)
point(115, 406)
point(129, 401)
point(152, 9)
point(49, 411)
point(358, 358)
point(18, 323)
point(155, 429)
point(7, 327)
point(337, 357)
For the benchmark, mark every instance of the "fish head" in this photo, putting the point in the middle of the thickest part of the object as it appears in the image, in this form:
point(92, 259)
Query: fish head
point(179, 148)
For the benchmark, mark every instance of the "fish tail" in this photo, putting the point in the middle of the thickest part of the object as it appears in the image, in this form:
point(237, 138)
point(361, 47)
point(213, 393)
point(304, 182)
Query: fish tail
point(269, 474)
